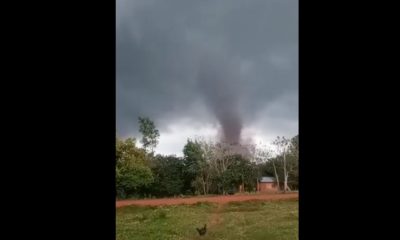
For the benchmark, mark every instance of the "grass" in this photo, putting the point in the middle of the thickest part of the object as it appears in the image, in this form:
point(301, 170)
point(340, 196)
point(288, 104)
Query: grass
point(276, 220)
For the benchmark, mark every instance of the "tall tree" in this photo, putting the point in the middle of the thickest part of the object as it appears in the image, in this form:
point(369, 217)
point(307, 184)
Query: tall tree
point(168, 176)
point(264, 155)
point(294, 146)
point(242, 172)
point(208, 150)
point(132, 170)
point(282, 146)
point(293, 161)
point(196, 155)
point(150, 134)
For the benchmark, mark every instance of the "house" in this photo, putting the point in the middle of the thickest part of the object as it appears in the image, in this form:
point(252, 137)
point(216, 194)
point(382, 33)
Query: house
point(266, 184)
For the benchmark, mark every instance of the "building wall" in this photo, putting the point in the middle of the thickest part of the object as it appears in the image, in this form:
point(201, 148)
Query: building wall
point(266, 187)
point(261, 187)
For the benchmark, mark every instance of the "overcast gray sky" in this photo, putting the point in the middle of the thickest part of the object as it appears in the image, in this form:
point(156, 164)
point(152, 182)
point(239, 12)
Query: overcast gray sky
point(210, 68)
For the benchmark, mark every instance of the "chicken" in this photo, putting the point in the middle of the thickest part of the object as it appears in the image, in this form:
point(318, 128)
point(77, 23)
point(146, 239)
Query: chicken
point(203, 230)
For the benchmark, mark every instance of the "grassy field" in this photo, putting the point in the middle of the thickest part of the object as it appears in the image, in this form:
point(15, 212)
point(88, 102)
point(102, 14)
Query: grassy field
point(275, 220)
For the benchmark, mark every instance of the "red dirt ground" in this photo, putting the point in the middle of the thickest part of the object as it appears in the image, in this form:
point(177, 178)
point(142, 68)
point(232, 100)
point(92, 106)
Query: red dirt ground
point(214, 199)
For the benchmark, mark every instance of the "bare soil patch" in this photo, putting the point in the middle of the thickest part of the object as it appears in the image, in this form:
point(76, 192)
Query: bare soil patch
point(213, 199)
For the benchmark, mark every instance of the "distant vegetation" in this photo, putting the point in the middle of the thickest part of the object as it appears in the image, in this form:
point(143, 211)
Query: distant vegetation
point(205, 168)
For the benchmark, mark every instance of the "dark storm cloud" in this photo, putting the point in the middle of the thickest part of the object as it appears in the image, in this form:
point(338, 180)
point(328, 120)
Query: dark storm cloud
point(235, 56)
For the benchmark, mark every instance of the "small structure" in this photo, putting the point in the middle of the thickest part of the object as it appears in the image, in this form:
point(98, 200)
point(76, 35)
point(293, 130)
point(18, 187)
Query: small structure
point(264, 184)
point(267, 184)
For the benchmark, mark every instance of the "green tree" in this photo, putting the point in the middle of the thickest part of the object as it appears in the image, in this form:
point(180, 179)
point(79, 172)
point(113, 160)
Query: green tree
point(240, 172)
point(150, 134)
point(132, 170)
point(293, 162)
point(282, 145)
point(285, 163)
point(194, 162)
point(168, 176)
point(197, 167)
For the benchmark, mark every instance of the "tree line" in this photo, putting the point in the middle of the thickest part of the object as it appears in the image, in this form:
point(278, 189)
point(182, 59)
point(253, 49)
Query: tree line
point(206, 167)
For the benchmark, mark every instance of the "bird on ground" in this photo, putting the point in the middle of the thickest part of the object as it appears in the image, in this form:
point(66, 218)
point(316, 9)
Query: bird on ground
point(202, 230)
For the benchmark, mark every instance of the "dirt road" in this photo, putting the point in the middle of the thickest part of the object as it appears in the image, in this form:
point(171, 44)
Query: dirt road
point(214, 199)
